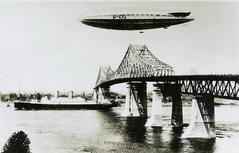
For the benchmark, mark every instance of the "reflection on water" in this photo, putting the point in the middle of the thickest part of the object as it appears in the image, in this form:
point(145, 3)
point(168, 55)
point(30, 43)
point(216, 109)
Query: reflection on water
point(175, 141)
point(105, 131)
point(135, 129)
point(155, 139)
point(207, 146)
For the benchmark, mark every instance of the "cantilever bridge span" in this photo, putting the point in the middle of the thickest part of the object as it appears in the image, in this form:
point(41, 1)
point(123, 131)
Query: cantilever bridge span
point(139, 66)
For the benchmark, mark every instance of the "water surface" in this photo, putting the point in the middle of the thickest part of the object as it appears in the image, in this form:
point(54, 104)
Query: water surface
point(80, 131)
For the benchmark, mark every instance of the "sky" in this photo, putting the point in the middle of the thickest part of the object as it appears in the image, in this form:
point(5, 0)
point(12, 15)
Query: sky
point(45, 47)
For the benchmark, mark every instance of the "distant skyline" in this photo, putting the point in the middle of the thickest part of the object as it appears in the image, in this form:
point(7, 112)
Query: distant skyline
point(45, 47)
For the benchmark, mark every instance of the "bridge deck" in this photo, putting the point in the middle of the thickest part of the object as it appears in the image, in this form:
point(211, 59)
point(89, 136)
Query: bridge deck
point(172, 78)
point(221, 86)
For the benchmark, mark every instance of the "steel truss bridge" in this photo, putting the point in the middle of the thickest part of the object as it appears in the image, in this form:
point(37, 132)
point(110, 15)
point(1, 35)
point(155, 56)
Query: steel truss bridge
point(140, 65)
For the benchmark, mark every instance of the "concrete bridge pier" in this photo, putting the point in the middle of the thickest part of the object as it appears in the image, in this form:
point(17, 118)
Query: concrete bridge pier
point(102, 95)
point(202, 124)
point(127, 108)
point(95, 95)
point(136, 100)
point(174, 91)
point(156, 117)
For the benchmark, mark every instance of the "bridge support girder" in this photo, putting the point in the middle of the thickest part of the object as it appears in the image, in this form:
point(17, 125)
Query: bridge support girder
point(202, 124)
point(156, 117)
point(174, 91)
point(136, 100)
point(206, 106)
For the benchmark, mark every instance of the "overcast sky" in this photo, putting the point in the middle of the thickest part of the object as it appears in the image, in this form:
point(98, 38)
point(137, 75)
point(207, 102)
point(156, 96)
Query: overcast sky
point(44, 46)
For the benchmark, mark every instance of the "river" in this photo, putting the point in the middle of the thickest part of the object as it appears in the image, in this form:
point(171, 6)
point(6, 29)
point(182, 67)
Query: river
point(80, 131)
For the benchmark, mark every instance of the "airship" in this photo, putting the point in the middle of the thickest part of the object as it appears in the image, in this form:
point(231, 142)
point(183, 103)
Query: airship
point(141, 21)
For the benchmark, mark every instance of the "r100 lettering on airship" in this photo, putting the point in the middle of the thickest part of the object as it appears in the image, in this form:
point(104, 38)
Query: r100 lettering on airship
point(120, 16)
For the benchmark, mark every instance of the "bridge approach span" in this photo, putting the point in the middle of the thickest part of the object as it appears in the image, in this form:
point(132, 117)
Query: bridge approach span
point(220, 86)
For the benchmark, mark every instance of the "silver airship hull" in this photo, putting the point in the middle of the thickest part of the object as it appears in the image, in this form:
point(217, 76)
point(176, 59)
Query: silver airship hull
point(134, 24)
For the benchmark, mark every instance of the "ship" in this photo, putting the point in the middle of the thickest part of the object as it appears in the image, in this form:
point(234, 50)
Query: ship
point(62, 104)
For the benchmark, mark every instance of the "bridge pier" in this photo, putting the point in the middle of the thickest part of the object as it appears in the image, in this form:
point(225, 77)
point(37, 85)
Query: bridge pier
point(136, 100)
point(174, 91)
point(202, 124)
point(177, 109)
point(156, 117)
point(127, 108)
point(102, 95)
point(95, 96)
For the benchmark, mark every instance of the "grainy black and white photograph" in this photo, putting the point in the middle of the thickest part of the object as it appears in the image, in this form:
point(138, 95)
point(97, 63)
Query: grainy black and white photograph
point(119, 76)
